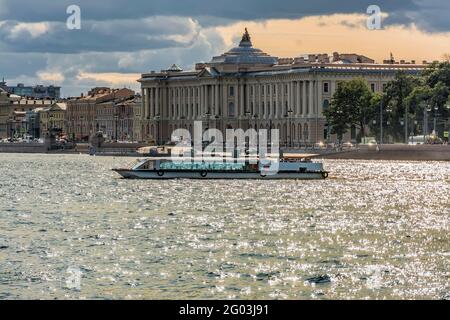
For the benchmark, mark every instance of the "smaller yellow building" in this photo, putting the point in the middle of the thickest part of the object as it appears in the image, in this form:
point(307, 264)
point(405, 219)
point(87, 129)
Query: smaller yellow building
point(53, 118)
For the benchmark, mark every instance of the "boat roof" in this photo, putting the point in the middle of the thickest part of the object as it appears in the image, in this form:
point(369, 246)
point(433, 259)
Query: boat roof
point(299, 155)
point(220, 158)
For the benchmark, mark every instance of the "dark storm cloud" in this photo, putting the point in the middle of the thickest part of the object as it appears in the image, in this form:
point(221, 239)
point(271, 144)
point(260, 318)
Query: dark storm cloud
point(140, 35)
point(51, 10)
point(106, 35)
point(112, 25)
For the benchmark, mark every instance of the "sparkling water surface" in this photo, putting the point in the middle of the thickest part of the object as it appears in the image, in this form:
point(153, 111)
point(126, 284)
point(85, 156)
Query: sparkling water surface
point(373, 230)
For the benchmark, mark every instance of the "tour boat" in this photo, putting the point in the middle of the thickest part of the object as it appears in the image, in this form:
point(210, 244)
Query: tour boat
point(286, 167)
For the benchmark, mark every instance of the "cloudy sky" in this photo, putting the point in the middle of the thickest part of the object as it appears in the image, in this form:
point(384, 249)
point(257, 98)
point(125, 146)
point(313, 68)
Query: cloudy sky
point(118, 40)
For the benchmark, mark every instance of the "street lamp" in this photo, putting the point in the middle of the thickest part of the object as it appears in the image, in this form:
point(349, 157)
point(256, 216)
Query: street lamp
point(436, 108)
point(340, 113)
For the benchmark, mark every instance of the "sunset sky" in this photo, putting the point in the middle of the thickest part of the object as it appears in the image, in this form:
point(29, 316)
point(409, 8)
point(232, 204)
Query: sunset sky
point(119, 40)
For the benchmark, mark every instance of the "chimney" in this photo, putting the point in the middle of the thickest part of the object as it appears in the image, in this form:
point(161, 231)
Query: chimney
point(299, 60)
point(335, 56)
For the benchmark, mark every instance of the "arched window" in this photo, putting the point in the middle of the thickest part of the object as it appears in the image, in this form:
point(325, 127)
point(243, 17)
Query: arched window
point(306, 131)
point(299, 132)
point(231, 109)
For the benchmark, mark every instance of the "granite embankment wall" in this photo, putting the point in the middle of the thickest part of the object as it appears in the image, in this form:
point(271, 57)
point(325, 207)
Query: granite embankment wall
point(396, 152)
point(22, 148)
point(106, 149)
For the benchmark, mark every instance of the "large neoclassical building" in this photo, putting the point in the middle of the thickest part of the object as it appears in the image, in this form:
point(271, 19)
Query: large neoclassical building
point(247, 88)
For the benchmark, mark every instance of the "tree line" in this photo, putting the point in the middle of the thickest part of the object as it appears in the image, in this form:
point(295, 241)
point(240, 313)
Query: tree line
point(409, 105)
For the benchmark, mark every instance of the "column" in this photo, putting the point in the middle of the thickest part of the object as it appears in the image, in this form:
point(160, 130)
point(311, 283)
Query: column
point(304, 102)
point(224, 104)
point(266, 93)
point(237, 111)
point(202, 102)
point(275, 102)
point(145, 102)
point(150, 112)
point(157, 101)
point(217, 101)
point(242, 99)
point(311, 98)
point(291, 97)
point(271, 90)
point(319, 108)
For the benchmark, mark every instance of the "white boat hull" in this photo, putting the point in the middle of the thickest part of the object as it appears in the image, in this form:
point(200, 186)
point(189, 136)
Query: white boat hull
point(165, 175)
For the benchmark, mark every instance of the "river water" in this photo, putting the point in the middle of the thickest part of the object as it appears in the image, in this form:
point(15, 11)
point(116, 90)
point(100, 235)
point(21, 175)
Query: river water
point(70, 228)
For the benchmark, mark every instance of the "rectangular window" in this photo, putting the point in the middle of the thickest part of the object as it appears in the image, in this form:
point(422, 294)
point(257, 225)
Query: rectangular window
point(373, 87)
point(326, 87)
point(231, 91)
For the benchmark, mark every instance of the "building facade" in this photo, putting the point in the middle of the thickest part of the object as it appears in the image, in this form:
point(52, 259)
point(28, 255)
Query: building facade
point(36, 92)
point(95, 112)
point(247, 88)
point(52, 118)
point(137, 119)
point(115, 118)
point(15, 116)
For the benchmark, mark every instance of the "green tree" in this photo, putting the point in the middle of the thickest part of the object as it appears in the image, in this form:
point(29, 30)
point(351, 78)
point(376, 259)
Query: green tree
point(432, 93)
point(350, 106)
point(437, 77)
point(397, 92)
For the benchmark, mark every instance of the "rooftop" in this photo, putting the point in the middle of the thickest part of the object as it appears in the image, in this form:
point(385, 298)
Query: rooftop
point(245, 60)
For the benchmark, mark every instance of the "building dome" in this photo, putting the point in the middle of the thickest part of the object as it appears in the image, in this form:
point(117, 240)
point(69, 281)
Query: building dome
point(245, 54)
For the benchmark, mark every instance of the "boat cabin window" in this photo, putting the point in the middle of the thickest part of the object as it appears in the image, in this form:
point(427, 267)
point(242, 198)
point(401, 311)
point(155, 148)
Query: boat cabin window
point(148, 165)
